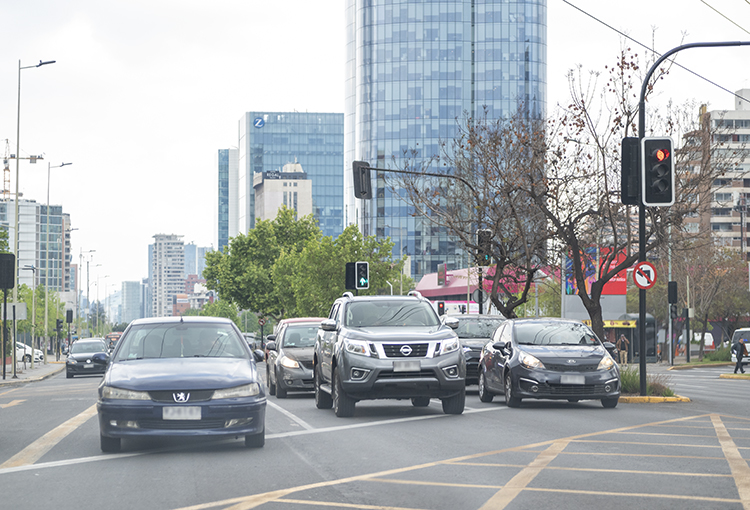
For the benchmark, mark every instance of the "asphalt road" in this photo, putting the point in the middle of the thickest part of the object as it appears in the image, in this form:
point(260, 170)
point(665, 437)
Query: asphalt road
point(392, 455)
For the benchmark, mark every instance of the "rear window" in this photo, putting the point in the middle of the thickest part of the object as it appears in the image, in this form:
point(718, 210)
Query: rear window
point(365, 314)
point(181, 340)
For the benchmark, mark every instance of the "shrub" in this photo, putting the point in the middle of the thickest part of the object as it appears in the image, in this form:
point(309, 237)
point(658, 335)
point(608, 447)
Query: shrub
point(656, 384)
point(720, 354)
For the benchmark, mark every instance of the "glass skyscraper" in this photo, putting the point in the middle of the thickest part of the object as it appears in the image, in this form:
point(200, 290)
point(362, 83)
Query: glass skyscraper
point(413, 68)
point(269, 140)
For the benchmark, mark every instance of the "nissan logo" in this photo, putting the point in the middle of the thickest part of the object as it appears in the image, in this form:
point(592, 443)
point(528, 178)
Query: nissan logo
point(405, 350)
point(181, 396)
point(572, 362)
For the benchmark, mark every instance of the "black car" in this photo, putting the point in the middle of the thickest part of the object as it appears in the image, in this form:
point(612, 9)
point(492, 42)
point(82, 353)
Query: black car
point(181, 376)
point(387, 347)
point(548, 359)
point(290, 356)
point(80, 358)
point(474, 331)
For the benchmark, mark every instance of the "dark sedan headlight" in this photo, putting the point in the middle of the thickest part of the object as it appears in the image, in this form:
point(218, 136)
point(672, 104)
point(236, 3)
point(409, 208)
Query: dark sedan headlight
point(529, 361)
point(288, 362)
point(606, 363)
point(110, 392)
point(246, 390)
point(71, 361)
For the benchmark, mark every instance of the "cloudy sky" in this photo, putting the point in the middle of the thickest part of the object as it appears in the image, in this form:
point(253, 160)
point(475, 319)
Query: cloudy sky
point(144, 92)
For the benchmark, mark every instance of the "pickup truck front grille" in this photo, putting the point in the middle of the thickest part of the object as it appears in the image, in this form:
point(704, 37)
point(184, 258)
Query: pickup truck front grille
point(413, 351)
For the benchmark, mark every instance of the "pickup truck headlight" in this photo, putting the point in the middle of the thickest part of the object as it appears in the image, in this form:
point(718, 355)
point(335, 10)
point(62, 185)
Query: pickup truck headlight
point(357, 347)
point(450, 345)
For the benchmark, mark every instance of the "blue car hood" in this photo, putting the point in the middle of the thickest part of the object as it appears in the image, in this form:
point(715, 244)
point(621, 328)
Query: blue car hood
point(181, 373)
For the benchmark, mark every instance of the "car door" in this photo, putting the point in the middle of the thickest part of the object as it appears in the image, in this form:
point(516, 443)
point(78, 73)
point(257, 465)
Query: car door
point(327, 341)
point(273, 355)
point(499, 356)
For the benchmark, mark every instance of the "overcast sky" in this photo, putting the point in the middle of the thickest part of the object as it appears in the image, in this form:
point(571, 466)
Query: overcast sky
point(144, 92)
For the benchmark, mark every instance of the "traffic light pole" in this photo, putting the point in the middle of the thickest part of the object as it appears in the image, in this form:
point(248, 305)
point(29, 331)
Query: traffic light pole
point(642, 208)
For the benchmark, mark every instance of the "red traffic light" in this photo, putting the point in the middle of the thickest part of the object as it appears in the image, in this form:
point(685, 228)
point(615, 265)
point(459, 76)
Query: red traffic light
point(661, 154)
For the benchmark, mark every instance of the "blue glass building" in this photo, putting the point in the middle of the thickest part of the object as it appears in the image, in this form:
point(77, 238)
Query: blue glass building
point(413, 68)
point(223, 204)
point(269, 140)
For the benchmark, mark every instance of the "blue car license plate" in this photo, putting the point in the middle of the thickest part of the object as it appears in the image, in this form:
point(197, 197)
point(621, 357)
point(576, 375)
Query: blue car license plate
point(181, 413)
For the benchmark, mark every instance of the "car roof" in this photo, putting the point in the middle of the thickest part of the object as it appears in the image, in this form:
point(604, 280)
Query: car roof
point(92, 339)
point(297, 320)
point(475, 316)
point(184, 319)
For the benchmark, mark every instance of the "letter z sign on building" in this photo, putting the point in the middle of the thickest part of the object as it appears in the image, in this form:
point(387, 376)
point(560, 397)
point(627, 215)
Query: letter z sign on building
point(644, 275)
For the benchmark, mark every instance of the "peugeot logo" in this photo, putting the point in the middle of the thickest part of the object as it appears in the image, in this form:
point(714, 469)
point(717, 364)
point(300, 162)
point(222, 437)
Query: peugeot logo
point(572, 362)
point(181, 396)
point(405, 350)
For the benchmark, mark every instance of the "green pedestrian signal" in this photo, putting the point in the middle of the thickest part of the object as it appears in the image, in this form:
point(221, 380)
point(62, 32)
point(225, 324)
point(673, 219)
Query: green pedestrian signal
point(362, 274)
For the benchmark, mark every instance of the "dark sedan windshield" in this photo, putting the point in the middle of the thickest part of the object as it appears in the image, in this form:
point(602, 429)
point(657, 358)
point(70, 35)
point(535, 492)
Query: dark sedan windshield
point(181, 340)
point(365, 314)
point(478, 328)
point(83, 347)
point(554, 333)
point(300, 336)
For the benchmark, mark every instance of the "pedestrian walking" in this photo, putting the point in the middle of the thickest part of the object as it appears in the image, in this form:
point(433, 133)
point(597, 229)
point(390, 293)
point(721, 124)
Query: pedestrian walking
point(622, 347)
point(740, 351)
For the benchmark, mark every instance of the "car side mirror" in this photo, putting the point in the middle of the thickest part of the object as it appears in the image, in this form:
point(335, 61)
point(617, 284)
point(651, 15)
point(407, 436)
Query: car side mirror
point(270, 338)
point(259, 355)
point(500, 346)
point(271, 346)
point(611, 349)
point(451, 322)
point(328, 325)
point(100, 358)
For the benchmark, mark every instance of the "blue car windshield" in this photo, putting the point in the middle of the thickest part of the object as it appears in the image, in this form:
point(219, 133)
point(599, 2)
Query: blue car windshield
point(375, 313)
point(554, 333)
point(180, 340)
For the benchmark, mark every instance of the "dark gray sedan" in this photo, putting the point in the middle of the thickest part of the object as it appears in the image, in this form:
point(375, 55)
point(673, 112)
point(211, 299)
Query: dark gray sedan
point(548, 359)
point(290, 356)
point(80, 358)
point(474, 331)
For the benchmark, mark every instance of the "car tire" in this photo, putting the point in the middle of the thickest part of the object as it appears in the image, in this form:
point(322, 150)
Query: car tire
point(109, 444)
point(454, 404)
point(271, 386)
point(68, 375)
point(280, 390)
point(256, 440)
point(510, 400)
point(420, 401)
point(484, 393)
point(27, 358)
point(322, 399)
point(610, 403)
point(343, 404)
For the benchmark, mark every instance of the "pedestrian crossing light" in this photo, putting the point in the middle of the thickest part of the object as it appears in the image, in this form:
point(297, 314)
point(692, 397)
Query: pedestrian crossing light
point(657, 172)
point(362, 272)
point(484, 242)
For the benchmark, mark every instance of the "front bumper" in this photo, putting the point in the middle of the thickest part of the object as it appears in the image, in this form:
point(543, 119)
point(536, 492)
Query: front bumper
point(579, 385)
point(85, 368)
point(367, 378)
point(294, 379)
point(228, 417)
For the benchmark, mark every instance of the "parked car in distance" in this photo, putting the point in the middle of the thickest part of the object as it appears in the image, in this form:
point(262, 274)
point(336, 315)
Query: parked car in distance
point(387, 347)
point(548, 359)
point(740, 333)
point(24, 353)
point(181, 376)
point(80, 358)
point(474, 331)
point(290, 356)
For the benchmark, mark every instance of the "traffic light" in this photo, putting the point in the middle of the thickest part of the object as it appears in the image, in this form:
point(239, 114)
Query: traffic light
point(351, 276)
point(630, 170)
point(441, 308)
point(58, 326)
point(362, 272)
point(657, 172)
point(68, 316)
point(484, 242)
point(362, 184)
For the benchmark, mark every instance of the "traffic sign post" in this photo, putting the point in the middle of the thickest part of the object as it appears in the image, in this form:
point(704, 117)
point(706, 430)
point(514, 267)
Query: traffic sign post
point(644, 275)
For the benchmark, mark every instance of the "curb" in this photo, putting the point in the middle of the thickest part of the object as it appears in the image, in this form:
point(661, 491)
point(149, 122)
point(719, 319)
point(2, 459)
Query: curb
point(17, 382)
point(652, 399)
point(734, 376)
point(702, 365)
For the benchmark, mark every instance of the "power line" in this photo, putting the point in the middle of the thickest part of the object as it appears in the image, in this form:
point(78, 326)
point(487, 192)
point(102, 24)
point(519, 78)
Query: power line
point(726, 18)
point(653, 51)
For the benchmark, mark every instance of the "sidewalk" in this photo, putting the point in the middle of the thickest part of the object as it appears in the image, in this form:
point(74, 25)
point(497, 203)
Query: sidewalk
point(27, 375)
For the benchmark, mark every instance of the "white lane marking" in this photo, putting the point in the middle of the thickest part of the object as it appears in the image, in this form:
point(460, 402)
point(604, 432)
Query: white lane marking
point(290, 415)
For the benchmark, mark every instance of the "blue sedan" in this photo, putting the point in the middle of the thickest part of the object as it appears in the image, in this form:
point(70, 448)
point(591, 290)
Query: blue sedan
point(181, 376)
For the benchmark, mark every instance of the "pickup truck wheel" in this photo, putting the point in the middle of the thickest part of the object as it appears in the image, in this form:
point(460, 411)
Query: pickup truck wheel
point(454, 404)
point(484, 393)
point(420, 401)
point(322, 399)
point(343, 404)
point(271, 385)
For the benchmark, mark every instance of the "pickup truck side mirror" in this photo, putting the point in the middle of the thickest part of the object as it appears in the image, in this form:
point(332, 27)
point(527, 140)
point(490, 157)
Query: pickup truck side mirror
point(328, 325)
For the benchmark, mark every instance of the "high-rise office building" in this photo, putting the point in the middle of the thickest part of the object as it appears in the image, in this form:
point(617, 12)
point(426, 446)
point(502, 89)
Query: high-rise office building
point(290, 187)
point(131, 301)
point(227, 171)
point(195, 259)
point(167, 273)
point(269, 140)
point(414, 67)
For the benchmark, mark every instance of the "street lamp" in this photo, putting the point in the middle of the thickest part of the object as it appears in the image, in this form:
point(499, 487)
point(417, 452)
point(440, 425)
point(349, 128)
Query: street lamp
point(88, 301)
point(98, 305)
point(18, 157)
point(33, 314)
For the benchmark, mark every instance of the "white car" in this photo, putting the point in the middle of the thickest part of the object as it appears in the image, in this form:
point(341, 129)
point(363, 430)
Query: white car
point(23, 353)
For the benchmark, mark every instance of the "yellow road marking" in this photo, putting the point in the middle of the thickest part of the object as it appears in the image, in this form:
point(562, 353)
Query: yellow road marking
point(11, 403)
point(438, 484)
point(35, 450)
point(597, 470)
point(646, 444)
point(9, 391)
point(518, 483)
point(342, 505)
point(738, 465)
point(688, 497)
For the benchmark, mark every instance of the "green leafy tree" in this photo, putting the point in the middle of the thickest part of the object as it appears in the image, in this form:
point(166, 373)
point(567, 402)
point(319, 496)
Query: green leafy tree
point(221, 308)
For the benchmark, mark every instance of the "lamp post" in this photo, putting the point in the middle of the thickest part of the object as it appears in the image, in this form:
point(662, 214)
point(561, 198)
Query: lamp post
point(33, 313)
point(18, 157)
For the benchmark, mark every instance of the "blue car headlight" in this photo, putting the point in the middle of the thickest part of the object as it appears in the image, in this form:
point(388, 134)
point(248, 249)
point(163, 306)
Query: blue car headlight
point(110, 392)
point(246, 390)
